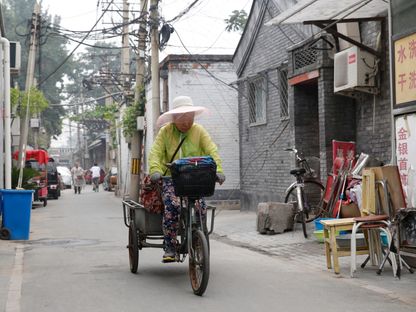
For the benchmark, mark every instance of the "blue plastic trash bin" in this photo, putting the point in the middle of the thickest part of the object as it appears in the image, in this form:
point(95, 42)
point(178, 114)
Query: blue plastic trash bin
point(16, 209)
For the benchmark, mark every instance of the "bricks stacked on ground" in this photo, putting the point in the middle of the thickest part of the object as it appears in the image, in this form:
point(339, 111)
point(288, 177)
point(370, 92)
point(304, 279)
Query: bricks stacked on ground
point(274, 217)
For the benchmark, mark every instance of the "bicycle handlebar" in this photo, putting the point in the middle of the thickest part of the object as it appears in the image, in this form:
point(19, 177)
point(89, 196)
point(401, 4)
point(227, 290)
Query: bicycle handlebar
point(294, 150)
point(299, 159)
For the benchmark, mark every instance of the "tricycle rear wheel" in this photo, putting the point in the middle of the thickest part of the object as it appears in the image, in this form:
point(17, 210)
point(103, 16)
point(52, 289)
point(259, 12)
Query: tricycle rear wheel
point(133, 248)
point(199, 263)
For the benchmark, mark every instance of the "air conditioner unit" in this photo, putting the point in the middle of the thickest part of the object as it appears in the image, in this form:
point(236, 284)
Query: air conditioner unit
point(355, 70)
point(15, 53)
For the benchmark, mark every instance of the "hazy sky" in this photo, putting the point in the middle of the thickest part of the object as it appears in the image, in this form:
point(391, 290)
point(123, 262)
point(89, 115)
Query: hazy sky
point(202, 29)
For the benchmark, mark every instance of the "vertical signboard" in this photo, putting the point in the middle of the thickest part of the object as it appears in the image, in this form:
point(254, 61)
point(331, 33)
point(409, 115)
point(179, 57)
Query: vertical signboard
point(406, 155)
point(405, 71)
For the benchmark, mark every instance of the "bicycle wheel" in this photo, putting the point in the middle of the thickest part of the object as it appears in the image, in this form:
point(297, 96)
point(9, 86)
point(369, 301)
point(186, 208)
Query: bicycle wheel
point(199, 263)
point(313, 193)
point(133, 248)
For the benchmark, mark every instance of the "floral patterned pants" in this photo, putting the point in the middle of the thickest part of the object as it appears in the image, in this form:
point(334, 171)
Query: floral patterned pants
point(172, 212)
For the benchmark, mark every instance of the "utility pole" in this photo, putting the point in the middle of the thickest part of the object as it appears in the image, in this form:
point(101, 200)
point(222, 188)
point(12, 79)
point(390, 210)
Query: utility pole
point(125, 52)
point(125, 79)
point(70, 144)
point(79, 145)
point(84, 135)
point(137, 141)
point(24, 119)
point(154, 34)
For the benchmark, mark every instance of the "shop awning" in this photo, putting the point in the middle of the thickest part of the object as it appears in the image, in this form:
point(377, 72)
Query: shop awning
point(40, 156)
point(330, 10)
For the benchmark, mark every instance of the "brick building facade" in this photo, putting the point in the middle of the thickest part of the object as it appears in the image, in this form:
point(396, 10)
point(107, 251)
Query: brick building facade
point(313, 115)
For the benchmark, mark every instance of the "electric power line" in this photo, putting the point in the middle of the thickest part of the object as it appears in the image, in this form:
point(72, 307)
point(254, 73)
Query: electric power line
point(72, 52)
point(183, 12)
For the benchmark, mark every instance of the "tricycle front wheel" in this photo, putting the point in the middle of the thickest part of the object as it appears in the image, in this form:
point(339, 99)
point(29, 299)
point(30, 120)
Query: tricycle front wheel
point(199, 263)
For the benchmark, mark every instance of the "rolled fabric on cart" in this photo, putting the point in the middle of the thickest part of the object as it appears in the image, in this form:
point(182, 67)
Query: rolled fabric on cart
point(151, 195)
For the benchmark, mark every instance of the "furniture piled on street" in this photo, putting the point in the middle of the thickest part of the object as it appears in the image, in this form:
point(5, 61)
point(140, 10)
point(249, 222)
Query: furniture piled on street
point(370, 200)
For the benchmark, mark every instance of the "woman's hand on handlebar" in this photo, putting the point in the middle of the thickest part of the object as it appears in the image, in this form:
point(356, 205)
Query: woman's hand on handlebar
point(220, 178)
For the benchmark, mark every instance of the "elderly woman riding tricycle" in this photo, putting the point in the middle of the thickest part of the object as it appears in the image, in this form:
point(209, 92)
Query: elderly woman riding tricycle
point(183, 183)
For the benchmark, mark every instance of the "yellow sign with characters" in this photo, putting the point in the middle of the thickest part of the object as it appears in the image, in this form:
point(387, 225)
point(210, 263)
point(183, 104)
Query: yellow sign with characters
point(405, 69)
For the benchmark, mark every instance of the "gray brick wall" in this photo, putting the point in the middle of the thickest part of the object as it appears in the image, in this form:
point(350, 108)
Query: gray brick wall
point(264, 165)
point(373, 114)
point(336, 118)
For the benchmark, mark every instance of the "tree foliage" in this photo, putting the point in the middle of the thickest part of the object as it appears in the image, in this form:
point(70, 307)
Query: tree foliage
point(35, 98)
point(50, 54)
point(129, 120)
point(91, 72)
point(236, 21)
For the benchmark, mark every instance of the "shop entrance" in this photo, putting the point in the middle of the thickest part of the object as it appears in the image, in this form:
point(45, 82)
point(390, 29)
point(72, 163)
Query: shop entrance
point(306, 122)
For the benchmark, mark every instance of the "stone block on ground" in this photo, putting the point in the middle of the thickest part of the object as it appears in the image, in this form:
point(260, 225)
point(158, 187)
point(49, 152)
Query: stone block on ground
point(273, 217)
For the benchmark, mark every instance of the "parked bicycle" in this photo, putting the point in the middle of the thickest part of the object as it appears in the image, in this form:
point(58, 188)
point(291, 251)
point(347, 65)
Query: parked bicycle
point(306, 192)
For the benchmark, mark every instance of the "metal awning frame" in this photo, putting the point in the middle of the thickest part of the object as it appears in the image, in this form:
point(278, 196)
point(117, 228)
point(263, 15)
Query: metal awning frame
point(329, 24)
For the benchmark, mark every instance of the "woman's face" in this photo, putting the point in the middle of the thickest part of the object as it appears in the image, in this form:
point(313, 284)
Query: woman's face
point(184, 121)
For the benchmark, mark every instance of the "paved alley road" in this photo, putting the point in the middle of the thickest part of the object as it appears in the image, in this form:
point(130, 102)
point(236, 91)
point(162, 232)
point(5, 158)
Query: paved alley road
point(76, 260)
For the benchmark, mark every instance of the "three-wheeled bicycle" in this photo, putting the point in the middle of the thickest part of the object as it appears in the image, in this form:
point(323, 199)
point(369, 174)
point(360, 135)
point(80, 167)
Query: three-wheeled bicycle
point(38, 160)
point(193, 178)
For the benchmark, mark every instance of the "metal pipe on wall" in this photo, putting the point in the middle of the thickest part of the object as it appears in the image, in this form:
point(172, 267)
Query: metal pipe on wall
point(2, 100)
point(391, 60)
point(7, 120)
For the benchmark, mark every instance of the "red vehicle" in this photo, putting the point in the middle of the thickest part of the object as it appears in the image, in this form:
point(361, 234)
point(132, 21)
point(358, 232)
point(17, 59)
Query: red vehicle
point(38, 160)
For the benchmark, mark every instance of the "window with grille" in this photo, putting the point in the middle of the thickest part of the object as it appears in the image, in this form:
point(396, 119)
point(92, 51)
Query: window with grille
point(283, 92)
point(257, 93)
point(303, 57)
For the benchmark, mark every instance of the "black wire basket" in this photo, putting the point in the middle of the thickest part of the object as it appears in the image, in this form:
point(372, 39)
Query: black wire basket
point(194, 176)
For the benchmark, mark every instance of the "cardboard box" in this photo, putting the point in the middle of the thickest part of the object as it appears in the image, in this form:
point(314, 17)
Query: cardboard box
point(350, 211)
point(394, 186)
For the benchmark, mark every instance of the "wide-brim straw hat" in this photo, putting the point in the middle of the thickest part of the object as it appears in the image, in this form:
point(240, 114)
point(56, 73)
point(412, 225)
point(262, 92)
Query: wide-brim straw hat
point(181, 105)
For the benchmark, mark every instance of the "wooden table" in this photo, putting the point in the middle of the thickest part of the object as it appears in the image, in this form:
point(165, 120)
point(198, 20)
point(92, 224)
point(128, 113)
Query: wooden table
point(331, 229)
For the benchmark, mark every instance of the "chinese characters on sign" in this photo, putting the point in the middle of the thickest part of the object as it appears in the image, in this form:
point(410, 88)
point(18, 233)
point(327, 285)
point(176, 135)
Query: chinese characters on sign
point(405, 148)
point(403, 154)
point(405, 69)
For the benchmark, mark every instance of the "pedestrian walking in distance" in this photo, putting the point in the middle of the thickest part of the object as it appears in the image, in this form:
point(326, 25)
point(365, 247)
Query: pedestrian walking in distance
point(95, 175)
point(77, 178)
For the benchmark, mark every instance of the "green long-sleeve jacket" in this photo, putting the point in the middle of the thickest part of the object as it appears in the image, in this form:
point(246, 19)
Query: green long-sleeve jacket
point(197, 143)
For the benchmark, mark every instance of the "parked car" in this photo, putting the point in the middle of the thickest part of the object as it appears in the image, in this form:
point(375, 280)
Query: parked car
point(66, 177)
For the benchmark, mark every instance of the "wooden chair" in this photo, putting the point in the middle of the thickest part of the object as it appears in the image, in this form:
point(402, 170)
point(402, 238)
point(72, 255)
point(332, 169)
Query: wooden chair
point(332, 250)
point(374, 224)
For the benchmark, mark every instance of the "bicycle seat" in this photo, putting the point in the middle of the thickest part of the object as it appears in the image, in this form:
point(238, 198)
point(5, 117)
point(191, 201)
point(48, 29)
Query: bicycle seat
point(298, 171)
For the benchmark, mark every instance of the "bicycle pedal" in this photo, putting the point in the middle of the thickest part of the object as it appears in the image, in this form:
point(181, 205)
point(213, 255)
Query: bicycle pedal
point(168, 260)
